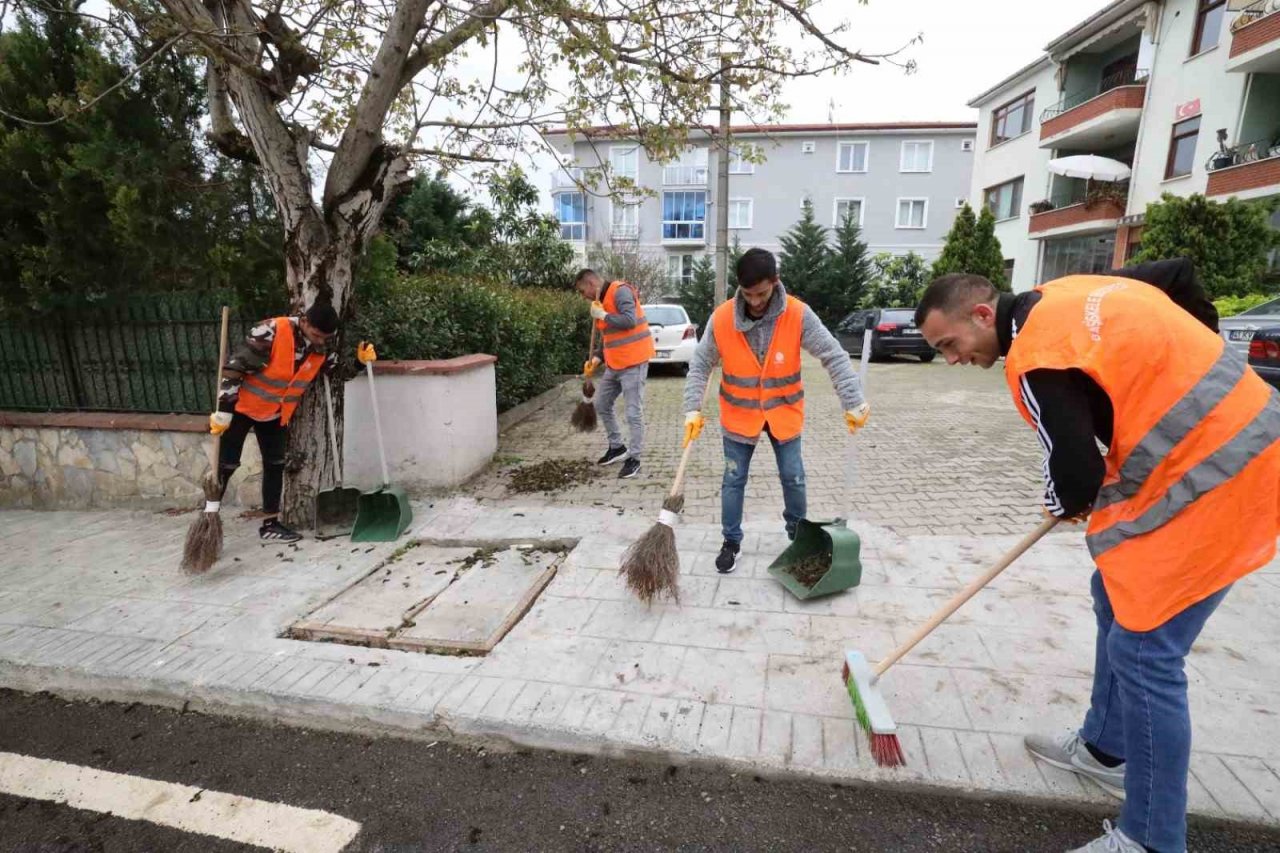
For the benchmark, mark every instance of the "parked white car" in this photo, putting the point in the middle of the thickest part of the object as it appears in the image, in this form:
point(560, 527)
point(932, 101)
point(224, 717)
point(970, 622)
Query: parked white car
point(674, 337)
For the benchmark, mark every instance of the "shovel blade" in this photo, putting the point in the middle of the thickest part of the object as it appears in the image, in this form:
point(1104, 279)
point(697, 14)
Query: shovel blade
point(381, 515)
point(336, 511)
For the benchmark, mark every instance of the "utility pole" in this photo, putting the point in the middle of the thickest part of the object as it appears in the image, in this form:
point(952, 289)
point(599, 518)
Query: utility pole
point(722, 186)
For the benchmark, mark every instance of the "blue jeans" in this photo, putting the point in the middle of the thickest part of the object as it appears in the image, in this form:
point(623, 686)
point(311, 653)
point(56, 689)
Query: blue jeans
point(1138, 712)
point(737, 463)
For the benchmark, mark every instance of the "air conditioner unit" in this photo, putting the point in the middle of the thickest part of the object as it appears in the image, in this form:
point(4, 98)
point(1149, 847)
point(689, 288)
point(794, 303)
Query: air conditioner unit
point(808, 146)
point(966, 145)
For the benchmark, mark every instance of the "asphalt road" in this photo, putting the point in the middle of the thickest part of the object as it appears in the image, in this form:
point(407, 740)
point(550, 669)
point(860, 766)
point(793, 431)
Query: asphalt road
point(412, 796)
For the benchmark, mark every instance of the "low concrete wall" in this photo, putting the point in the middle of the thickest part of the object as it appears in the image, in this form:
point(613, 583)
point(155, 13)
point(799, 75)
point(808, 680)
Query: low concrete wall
point(440, 418)
point(91, 460)
point(439, 421)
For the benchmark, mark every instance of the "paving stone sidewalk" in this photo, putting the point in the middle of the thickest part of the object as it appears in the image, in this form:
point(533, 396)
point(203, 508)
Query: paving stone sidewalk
point(739, 672)
point(945, 452)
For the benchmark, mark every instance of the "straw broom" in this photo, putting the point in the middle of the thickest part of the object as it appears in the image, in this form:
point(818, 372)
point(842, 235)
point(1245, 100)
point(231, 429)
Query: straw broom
point(652, 563)
point(204, 538)
point(583, 418)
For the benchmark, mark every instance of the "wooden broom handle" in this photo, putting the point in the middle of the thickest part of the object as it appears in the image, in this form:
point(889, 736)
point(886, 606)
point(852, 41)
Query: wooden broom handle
point(591, 347)
point(965, 594)
point(217, 388)
point(688, 448)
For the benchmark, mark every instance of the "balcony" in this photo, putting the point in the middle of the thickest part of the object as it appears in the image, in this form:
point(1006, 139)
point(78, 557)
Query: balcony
point(684, 176)
point(573, 177)
point(1255, 40)
point(1100, 210)
point(1097, 118)
point(1248, 170)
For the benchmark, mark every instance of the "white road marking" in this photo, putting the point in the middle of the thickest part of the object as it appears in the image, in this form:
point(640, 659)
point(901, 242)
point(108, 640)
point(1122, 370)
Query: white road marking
point(258, 822)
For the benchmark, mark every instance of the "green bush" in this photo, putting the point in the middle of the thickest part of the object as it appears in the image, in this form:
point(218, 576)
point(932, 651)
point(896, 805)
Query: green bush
point(1229, 306)
point(537, 335)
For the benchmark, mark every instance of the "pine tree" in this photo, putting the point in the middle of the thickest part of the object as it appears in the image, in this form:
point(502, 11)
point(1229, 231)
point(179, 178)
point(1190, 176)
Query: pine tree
point(698, 293)
point(735, 253)
point(804, 258)
point(849, 272)
point(897, 281)
point(958, 253)
point(988, 257)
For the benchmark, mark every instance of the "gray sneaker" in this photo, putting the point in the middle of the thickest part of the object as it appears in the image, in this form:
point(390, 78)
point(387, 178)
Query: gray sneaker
point(1068, 752)
point(1113, 841)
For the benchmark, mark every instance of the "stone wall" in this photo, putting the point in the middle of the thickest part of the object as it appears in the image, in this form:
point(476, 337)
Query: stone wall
point(89, 460)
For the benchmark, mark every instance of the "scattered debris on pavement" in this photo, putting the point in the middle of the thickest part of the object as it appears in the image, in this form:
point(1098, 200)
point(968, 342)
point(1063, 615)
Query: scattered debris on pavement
point(552, 475)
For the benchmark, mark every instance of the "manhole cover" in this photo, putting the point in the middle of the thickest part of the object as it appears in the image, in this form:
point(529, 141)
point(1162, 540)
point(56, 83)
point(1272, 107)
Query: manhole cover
point(438, 597)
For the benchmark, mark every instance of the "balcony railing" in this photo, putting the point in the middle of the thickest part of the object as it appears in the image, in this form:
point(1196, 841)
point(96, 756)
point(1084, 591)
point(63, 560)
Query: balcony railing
point(1125, 77)
point(684, 176)
point(1245, 152)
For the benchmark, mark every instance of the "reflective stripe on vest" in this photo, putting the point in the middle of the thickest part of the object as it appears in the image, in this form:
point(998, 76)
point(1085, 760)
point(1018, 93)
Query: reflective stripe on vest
point(276, 390)
point(625, 348)
point(1191, 498)
point(753, 395)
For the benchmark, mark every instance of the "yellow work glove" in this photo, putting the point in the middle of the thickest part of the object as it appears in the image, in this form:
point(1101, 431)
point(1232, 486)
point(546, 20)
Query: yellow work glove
point(589, 366)
point(693, 423)
point(856, 418)
point(597, 310)
point(1075, 519)
point(218, 422)
point(365, 352)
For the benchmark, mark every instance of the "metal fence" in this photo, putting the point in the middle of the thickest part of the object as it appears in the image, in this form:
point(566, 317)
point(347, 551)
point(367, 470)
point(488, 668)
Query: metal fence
point(1124, 77)
point(151, 354)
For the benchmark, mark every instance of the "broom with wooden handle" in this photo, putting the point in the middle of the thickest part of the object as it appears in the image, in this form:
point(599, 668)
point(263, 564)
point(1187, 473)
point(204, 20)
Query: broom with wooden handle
point(583, 418)
point(652, 563)
point(863, 680)
point(204, 537)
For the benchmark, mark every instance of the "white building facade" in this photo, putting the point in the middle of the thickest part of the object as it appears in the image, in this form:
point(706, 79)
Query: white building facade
point(902, 182)
point(1186, 92)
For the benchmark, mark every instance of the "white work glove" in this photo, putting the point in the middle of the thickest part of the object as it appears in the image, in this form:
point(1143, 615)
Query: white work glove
point(856, 418)
point(597, 311)
point(218, 422)
point(693, 423)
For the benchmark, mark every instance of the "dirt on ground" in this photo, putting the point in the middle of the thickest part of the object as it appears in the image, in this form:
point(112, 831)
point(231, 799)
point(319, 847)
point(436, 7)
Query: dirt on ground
point(811, 569)
point(552, 475)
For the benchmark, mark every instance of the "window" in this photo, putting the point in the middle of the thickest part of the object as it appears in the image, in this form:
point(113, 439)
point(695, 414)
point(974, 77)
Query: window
point(912, 212)
point(1182, 148)
point(571, 210)
point(1209, 14)
point(739, 213)
point(966, 144)
point(738, 164)
point(680, 269)
point(1008, 272)
point(851, 157)
point(691, 168)
point(624, 161)
point(846, 206)
point(684, 215)
point(808, 146)
point(1012, 119)
point(917, 157)
point(626, 219)
point(1088, 255)
point(1004, 200)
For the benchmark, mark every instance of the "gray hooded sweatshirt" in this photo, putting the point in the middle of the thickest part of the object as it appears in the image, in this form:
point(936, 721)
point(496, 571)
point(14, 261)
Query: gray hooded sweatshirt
point(815, 340)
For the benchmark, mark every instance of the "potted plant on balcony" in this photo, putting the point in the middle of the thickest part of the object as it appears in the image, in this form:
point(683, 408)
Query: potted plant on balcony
point(1274, 150)
point(1106, 192)
point(1042, 206)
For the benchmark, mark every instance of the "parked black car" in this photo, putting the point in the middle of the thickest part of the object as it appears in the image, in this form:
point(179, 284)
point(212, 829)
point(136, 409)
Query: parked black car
point(893, 332)
point(1264, 354)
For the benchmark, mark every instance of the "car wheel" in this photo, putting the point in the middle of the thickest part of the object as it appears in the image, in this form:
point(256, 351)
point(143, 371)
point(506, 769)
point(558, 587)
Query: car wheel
point(683, 369)
point(927, 357)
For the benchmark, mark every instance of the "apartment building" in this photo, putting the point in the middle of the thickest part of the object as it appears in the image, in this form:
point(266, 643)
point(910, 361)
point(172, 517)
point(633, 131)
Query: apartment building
point(1185, 92)
point(903, 182)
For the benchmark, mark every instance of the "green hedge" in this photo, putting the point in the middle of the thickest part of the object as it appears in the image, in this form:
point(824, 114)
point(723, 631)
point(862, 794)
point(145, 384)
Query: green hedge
point(537, 335)
point(1229, 306)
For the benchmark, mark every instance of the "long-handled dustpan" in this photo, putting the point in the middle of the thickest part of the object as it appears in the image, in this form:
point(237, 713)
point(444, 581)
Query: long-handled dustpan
point(336, 507)
point(384, 513)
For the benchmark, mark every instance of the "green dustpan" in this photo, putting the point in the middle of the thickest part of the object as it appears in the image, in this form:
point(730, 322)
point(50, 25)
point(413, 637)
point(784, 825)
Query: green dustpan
point(383, 513)
point(815, 538)
point(336, 507)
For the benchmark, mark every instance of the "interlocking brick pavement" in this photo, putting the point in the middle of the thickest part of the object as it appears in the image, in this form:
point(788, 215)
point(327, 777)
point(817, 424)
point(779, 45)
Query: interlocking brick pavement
point(945, 452)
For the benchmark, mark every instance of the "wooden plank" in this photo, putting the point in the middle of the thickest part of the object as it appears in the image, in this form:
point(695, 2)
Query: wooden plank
point(482, 605)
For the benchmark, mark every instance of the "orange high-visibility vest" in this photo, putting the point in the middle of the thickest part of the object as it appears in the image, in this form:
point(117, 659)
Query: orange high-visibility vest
point(1191, 498)
point(276, 389)
point(752, 394)
point(625, 348)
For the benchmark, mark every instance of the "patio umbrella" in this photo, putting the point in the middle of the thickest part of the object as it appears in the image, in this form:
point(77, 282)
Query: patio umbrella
point(1091, 167)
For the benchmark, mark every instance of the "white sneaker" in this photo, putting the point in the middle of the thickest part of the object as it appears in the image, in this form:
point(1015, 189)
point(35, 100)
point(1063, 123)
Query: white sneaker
point(1068, 752)
point(1113, 841)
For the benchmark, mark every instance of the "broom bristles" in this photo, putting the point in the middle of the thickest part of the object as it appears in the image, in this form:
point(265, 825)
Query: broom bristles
point(204, 537)
point(886, 749)
point(583, 418)
point(652, 563)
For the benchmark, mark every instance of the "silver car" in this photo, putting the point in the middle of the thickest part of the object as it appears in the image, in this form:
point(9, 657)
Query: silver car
point(1238, 330)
